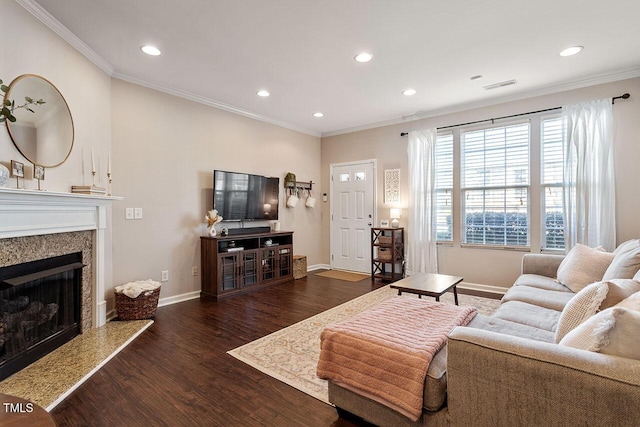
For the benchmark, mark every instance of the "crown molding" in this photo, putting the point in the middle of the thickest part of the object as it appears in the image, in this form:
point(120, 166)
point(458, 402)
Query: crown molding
point(212, 103)
point(625, 74)
point(54, 25)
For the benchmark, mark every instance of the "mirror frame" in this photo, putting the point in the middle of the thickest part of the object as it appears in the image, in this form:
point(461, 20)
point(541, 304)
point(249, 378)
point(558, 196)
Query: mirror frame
point(73, 131)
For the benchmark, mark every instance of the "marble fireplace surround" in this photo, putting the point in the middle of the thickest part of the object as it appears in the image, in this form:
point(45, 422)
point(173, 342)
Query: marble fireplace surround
point(40, 224)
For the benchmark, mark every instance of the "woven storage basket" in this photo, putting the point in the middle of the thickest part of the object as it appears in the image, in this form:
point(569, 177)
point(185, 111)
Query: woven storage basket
point(299, 266)
point(384, 254)
point(144, 306)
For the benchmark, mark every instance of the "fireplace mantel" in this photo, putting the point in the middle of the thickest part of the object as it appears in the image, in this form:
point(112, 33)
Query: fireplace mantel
point(34, 213)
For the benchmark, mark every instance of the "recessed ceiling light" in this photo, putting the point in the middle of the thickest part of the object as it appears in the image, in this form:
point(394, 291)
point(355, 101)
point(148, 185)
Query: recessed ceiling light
point(263, 93)
point(318, 114)
point(571, 50)
point(363, 57)
point(409, 92)
point(151, 50)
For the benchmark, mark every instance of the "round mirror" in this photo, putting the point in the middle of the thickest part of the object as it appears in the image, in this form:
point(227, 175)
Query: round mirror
point(43, 133)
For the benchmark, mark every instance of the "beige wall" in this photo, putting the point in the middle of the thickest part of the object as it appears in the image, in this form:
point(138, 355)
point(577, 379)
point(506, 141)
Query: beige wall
point(164, 152)
point(494, 267)
point(31, 48)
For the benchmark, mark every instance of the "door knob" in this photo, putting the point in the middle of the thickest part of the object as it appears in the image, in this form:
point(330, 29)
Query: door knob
point(369, 224)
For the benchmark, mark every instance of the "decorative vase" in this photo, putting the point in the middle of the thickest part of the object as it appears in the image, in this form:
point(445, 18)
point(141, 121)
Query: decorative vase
point(4, 175)
point(212, 231)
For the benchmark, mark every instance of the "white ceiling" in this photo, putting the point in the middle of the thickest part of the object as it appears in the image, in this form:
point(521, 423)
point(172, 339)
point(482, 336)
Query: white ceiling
point(221, 52)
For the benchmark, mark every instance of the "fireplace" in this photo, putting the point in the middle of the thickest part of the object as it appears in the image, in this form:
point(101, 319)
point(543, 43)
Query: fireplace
point(39, 309)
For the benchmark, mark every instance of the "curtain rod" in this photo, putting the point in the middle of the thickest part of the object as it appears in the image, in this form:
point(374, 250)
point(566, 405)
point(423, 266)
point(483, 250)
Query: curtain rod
point(613, 101)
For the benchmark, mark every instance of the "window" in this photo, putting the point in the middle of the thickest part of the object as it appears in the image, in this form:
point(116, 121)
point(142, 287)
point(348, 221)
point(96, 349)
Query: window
point(444, 187)
point(551, 199)
point(495, 185)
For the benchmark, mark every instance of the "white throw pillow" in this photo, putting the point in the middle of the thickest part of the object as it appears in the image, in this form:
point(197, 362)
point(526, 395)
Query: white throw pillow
point(626, 246)
point(613, 331)
point(581, 307)
point(632, 302)
point(583, 265)
point(626, 261)
point(619, 289)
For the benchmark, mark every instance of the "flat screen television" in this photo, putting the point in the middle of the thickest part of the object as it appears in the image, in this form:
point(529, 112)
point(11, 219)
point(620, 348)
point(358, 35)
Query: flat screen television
point(245, 197)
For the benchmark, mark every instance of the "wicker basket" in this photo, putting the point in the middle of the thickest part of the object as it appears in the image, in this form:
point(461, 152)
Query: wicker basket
point(144, 306)
point(299, 266)
point(384, 254)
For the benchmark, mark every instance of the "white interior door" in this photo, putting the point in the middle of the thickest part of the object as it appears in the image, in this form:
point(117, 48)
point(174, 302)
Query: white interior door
point(352, 215)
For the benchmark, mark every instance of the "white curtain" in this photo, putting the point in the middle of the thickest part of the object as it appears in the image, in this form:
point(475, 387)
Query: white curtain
point(421, 247)
point(589, 182)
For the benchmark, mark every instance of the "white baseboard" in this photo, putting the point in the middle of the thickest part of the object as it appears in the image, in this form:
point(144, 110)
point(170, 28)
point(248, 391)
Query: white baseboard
point(498, 290)
point(178, 298)
point(318, 267)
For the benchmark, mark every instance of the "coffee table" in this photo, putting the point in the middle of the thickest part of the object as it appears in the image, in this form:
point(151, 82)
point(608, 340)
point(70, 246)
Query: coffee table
point(430, 284)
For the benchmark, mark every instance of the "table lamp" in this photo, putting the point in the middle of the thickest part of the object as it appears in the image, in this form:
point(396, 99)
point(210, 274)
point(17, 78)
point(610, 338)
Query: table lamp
point(394, 213)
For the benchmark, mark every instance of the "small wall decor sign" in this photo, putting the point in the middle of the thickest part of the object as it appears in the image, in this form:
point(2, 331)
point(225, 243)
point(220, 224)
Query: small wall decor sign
point(17, 169)
point(392, 186)
point(38, 172)
point(384, 223)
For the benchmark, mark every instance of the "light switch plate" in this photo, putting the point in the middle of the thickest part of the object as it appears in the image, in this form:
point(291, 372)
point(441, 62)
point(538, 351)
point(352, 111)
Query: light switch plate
point(128, 213)
point(138, 213)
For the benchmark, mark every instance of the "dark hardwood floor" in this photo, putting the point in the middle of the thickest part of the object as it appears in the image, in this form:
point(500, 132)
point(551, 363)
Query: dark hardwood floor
point(177, 372)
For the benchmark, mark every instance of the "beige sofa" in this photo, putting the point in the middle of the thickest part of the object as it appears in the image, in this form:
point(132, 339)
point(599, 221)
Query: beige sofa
point(508, 370)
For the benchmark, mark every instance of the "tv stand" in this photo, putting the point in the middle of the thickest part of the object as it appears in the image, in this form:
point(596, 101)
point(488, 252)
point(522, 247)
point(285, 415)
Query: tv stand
point(240, 263)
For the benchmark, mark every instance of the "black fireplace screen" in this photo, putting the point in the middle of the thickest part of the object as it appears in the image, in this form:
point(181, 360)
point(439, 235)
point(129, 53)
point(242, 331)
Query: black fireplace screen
point(39, 309)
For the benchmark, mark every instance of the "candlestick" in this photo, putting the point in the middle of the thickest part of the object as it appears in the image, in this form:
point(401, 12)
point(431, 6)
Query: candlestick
point(109, 178)
point(93, 163)
point(109, 164)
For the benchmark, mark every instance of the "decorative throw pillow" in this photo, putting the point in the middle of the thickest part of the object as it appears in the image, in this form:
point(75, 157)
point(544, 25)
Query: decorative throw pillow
point(632, 302)
point(581, 307)
point(626, 261)
point(619, 289)
point(612, 331)
point(583, 265)
point(626, 246)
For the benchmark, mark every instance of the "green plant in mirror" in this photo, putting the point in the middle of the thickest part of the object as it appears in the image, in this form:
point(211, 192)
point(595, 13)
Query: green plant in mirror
point(9, 106)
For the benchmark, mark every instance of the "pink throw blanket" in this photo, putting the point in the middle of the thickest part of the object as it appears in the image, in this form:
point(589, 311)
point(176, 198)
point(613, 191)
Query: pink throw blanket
point(385, 351)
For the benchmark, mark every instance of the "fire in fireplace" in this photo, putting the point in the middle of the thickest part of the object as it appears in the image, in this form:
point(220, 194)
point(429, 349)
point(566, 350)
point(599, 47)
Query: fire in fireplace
point(39, 309)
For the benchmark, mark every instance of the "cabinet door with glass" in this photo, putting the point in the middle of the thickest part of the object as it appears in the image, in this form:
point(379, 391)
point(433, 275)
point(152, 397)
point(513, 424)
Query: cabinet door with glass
point(250, 269)
point(228, 267)
point(285, 261)
point(269, 263)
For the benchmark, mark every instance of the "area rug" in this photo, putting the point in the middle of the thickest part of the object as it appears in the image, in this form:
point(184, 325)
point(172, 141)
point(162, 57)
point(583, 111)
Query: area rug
point(291, 354)
point(50, 379)
point(349, 276)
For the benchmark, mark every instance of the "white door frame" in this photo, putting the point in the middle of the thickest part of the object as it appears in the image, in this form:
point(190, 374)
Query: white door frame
point(374, 163)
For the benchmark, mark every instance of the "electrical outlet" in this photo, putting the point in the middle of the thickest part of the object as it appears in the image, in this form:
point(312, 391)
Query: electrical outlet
point(128, 213)
point(194, 270)
point(138, 213)
point(165, 276)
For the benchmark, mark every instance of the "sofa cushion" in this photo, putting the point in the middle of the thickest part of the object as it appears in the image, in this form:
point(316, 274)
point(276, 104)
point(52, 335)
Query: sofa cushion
point(514, 329)
point(555, 300)
point(528, 314)
point(583, 265)
point(632, 302)
point(612, 331)
point(542, 282)
point(619, 289)
point(581, 307)
point(626, 261)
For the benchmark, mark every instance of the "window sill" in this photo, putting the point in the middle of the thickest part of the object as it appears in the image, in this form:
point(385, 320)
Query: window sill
point(496, 247)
